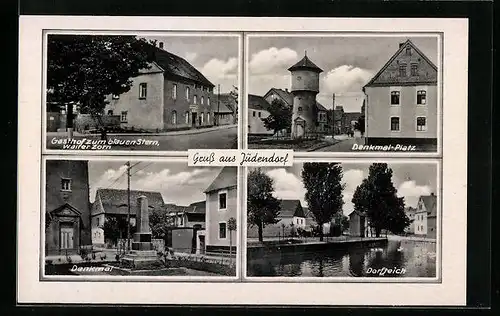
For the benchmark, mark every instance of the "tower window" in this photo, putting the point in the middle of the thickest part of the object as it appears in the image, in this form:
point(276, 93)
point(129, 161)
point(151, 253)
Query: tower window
point(66, 184)
point(143, 90)
point(299, 109)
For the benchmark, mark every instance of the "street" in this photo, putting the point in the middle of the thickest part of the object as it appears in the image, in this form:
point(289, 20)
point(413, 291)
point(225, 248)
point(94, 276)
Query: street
point(218, 138)
point(342, 146)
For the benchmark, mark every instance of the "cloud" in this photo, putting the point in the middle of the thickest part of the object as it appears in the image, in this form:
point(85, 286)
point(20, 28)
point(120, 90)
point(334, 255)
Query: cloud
point(345, 78)
point(218, 69)
point(183, 187)
point(411, 192)
point(287, 185)
point(272, 60)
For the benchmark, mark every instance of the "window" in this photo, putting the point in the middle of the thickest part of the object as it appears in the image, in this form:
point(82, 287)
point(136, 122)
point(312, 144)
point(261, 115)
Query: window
point(174, 117)
point(395, 124)
point(202, 100)
point(222, 200)
point(300, 109)
point(421, 124)
point(414, 70)
point(123, 117)
point(253, 113)
point(110, 112)
point(208, 101)
point(222, 230)
point(143, 90)
point(115, 96)
point(66, 184)
point(174, 91)
point(195, 99)
point(408, 50)
point(395, 97)
point(260, 114)
point(186, 117)
point(421, 97)
point(98, 222)
point(187, 93)
point(202, 116)
point(208, 118)
point(402, 70)
point(181, 221)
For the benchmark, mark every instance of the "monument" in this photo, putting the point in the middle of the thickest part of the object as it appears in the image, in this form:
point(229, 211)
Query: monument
point(142, 255)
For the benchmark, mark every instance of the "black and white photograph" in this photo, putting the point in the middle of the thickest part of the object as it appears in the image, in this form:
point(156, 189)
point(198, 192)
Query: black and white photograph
point(146, 218)
point(343, 93)
point(343, 220)
point(141, 92)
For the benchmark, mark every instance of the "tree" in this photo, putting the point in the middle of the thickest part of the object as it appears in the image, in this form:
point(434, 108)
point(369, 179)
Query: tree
point(116, 228)
point(83, 70)
point(280, 116)
point(377, 197)
point(159, 222)
point(323, 190)
point(231, 226)
point(263, 207)
point(344, 222)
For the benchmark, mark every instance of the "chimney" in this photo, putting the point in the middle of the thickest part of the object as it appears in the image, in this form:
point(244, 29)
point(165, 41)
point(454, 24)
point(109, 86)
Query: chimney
point(142, 217)
point(161, 45)
point(432, 193)
point(286, 90)
point(401, 44)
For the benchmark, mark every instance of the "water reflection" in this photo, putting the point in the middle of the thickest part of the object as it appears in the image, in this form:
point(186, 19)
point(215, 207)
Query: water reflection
point(397, 259)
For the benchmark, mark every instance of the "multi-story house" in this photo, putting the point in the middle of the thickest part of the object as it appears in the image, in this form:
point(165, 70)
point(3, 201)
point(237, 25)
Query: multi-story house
point(113, 203)
point(410, 213)
point(221, 207)
point(401, 100)
point(425, 216)
point(67, 208)
point(187, 216)
point(291, 216)
point(257, 110)
point(171, 94)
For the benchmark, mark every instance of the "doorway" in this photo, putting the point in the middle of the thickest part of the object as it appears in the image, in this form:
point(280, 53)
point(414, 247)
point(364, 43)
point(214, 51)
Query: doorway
point(67, 234)
point(194, 118)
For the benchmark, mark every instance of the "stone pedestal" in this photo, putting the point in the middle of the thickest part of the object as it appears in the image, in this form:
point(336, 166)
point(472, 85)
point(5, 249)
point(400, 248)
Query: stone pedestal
point(142, 255)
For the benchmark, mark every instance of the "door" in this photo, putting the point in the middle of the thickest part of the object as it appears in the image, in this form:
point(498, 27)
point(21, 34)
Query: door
point(299, 130)
point(67, 235)
point(193, 119)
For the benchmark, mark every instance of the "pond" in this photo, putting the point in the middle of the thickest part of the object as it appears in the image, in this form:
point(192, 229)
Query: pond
point(396, 259)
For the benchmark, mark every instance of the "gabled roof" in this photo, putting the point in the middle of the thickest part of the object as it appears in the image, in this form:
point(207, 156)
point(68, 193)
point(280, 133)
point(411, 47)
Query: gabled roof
point(291, 208)
point(197, 208)
point(227, 104)
point(115, 201)
point(356, 212)
point(305, 63)
point(386, 77)
point(227, 178)
point(256, 102)
point(176, 66)
point(287, 97)
point(430, 202)
point(66, 207)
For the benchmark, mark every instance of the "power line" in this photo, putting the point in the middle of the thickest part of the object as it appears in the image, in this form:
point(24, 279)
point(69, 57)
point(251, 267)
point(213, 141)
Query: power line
point(142, 168)
point(118, 178)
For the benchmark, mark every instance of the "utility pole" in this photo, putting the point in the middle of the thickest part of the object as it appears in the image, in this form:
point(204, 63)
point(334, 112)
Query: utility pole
point(128, 205)
point(218, 104)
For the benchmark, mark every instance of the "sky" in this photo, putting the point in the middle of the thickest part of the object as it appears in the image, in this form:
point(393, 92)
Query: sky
point(178, 183)
point(410, 179)
point(348, 63)
point(216, 57)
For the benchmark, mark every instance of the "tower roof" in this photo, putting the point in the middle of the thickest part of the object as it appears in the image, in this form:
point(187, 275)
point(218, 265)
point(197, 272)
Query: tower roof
point(305, 63)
